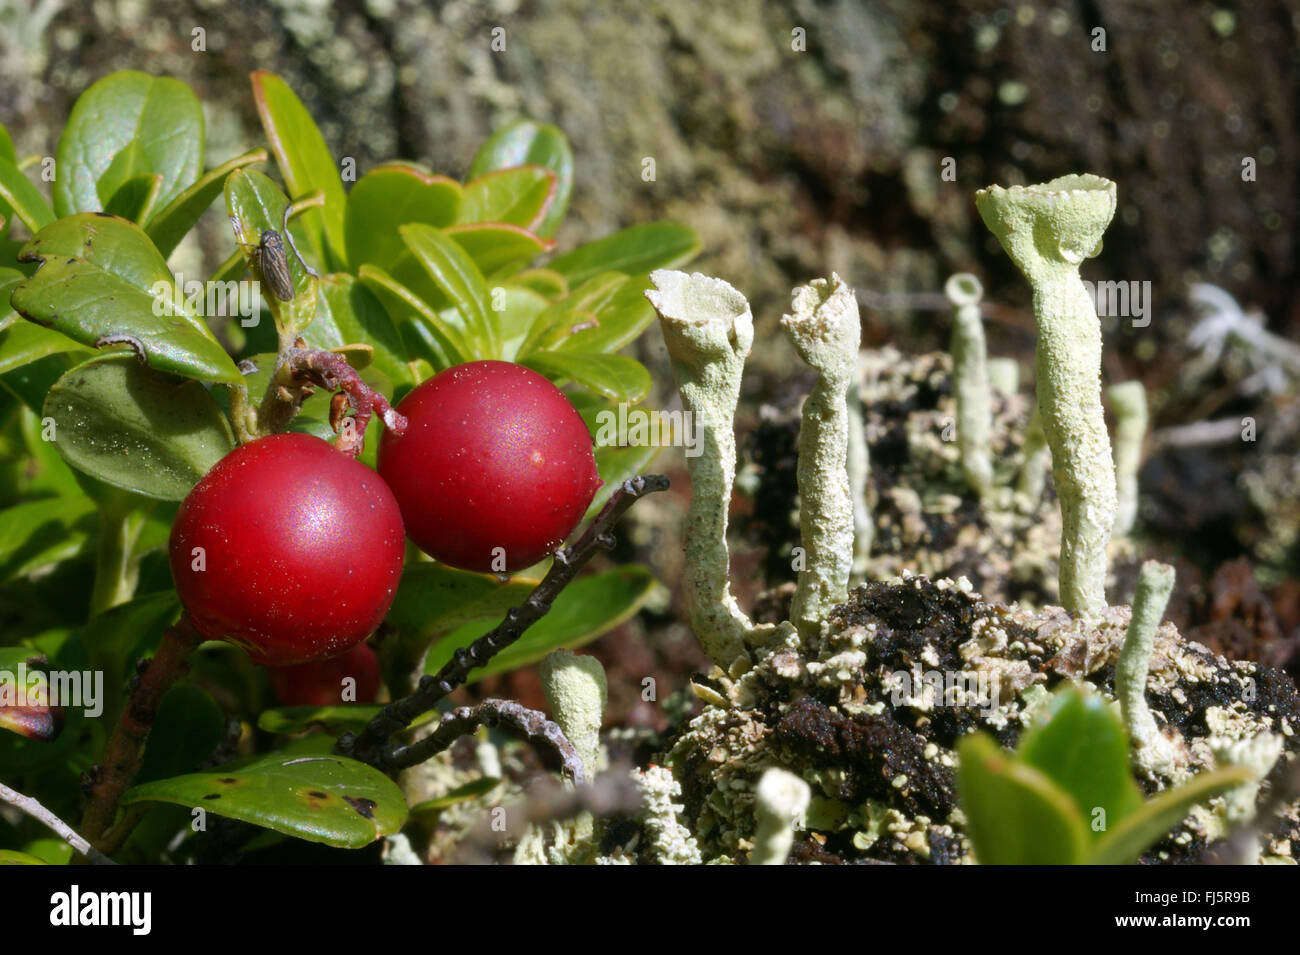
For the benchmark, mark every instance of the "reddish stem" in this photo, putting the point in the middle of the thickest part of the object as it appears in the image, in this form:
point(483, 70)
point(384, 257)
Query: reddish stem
point(332, 372)
point(125, 752)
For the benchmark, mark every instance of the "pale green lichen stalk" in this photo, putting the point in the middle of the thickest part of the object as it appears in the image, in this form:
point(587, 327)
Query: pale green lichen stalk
point(1035, 463)
point(1153, 753)
point(1048, 230)
point(671, 843)
point(709, 330)
point(970, 381)
point(1257, 754)
point(825, 331)
point(1004, 375)
point(780, 802)
point(1128, 400)
point(859, 465)
point(577, 692)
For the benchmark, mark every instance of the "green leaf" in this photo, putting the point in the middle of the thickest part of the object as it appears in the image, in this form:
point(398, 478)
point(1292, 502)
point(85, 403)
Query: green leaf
point(37, 534)
point(586, 609)
point(347, 312)
point(170, 225)
point(135, 429)
point(127, 125)
point(100, 278)
point(1015, 815)
point(13, 857)
point(256, 206)
point(305, 163)
point(7, 151)
point(550, 285)
point(23, 197)
point(519, 197)
point(390, 196)
point(327, 799)
point(118, 637)
point(495, 247)
point(615, 376)
point(448, 346)
point(1124, 843)
point(521, 308)
point(459, 279)
point(1083, 748)
point(135, 197)
point(577, 310)
point(615, 465)
point(23, 342)
point(636, 250)
point(471, 790)
point(433, 599)
point(527, 143)
point(295, 719)
point(620, 320)
point(186, 730)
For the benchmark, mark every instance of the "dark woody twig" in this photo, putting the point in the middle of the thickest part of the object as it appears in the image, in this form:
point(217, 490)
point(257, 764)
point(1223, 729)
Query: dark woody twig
point(372, 745)
point(507, 714)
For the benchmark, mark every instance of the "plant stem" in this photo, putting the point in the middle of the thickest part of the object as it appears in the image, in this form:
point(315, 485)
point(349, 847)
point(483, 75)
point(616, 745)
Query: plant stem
point(125, 750)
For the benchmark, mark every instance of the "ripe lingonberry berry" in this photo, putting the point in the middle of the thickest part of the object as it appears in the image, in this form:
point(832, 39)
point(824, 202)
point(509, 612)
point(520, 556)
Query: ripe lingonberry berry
point(320, 683)
point(495, 468)
point(289, 549)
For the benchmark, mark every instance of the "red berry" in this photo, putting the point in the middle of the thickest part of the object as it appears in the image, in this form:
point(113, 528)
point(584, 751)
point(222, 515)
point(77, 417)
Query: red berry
point(494, 456)
point(289, 549)
point(320, 683)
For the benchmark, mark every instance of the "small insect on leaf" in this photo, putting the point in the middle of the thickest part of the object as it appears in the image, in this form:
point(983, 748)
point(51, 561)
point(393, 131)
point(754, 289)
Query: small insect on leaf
point(273, 263)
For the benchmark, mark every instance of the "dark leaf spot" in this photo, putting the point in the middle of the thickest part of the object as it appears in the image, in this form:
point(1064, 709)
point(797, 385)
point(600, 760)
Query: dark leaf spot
point(365, 807)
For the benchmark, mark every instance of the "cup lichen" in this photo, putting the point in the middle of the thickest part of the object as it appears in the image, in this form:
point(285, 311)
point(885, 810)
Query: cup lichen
point(825, 330)
point(1153, 753)
point(970, 381)
point(1128, 400)
point(577, 693)
point(1048, 230)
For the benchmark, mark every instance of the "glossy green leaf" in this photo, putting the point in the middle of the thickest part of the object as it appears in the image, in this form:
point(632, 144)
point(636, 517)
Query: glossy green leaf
point(519, 310)
point(586, 609)
point(636, 250)
point(115, 639)
point(439, 341)
point(37, 534)
point(615, 376)
point(459, 279)
point(347, 312)
point(13, 857)
point(615, 465)
point(327, 799)
point(528, 143)
point(1124, 843)
point(7, 151)
point(186, 730)
point(575, 311)
point(1015, 815)
point(495, 247)
point(26, 201)
point(256, 205)
point(23, 342)
point(170, 224)
point(619, 321)
point(548, 284)
point(1083, 748)
point(296, 719)
point(135, 198)
point(132, 428)
point(127, 125)
point(519, 197)
point(390, 196)
point(433, 599)
point(305, 163)
point(101, 278)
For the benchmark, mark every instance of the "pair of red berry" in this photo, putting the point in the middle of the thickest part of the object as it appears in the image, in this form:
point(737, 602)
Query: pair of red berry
point(294, 551)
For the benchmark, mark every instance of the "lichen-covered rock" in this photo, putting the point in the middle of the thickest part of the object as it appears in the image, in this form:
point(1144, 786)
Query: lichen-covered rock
point(870, 715)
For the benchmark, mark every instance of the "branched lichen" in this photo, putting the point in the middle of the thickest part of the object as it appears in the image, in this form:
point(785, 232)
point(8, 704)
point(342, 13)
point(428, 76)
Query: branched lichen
point(1153, 753)
point(970, 381)
point(1048, 230)
point(708, 329)
point(1129, 402)
point(780, 802)
point(824, 329)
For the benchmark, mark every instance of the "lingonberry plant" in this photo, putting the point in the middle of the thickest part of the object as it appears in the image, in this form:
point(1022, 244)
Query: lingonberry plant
point(201, 496)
